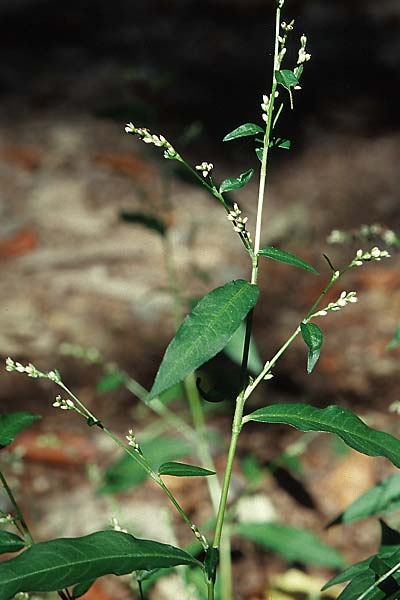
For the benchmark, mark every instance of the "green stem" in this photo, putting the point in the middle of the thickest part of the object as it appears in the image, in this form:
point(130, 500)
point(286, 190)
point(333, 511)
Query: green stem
point(27, 534)
point(270, 364)
point(139, 458)
point(63, 594)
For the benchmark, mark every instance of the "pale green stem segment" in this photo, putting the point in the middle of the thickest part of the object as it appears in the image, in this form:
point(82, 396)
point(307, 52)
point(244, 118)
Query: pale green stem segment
point(139, 458)
point(241, 399)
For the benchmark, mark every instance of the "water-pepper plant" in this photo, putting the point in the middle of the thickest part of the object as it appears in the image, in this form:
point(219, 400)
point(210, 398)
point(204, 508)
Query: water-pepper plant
point(69, 566)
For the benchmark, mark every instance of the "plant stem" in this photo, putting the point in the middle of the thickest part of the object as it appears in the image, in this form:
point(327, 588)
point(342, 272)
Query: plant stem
point(140, 459)
point(63, 594)
point(27, 534)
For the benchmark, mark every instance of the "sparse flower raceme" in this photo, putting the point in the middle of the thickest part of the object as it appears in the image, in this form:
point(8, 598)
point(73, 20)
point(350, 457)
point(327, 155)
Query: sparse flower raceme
point(374, 254)
point(91, 354)
point(239, 222)
point(265, 107)
point(344, 299)
point(303, 56)
point(116, 526)
point(132, 440)
point(63, 404)
point(202, 539)
point(29, 369)
point(149, 138)
point(205, 168)
point(21, 596)
point(365, 233)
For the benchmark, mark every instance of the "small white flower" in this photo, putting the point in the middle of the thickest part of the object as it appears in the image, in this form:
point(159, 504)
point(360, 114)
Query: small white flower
point(116, 526)
point(63, 404)
point(205, 168)
point(10, 364)
point(53, 376)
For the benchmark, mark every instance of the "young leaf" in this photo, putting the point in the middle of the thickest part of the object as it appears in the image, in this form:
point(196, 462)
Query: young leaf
point(243, 131)
point(286, 257)
point(60, 563)
point(259, 152)
point(286, 78)
point(9, 542)
point(312, 335)
point(183, 470)
point(333, 419)
point(383, 497)
point(126, 474)
point(236, 183)
point(12, 423)
point(293, 543)
point(234, 350)
point(278, 142)
point(205, 332)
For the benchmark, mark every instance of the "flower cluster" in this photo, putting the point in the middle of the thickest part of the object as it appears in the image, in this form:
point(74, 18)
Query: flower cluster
point(303, 56)
point(374, 254)
point(6, 519)
point(91, 354)
point(63, 404)
point(205, 168)
point(239, 223)
point(344, 299)
point(132, 441)
point(31, 370)
point(149, 138)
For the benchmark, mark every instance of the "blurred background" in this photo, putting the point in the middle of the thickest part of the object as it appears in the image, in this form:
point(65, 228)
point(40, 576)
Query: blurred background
point(73, 270)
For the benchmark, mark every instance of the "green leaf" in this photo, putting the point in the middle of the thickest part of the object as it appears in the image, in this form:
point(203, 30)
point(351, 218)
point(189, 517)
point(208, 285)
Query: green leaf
point(81, 588)
point(243, 131)
point(183, 470)
point(312, 335)
point(12, 423)
point(293, 543)
point(286, 257)
point(383, 497)
point(10, 542)
point(110, 382)
point(389, 546)
point(278, 142)
point(149, 221)
point(60, 563)
point(395, 341)
point(236, 183)
point(234, 350)
point(378, 565)
point(286, 78)
point(333, 419)
point(126, 474)
point(205, 332)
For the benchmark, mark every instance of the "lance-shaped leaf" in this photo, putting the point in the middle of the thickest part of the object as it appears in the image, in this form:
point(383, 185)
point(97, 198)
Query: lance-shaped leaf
point(293, 543)
point(10, 542)
point(382, 497)
point(243, 131)
point(235, 183)
point(312, 335)
point(205, 332)
point(12, 423)
point(183, 470)
point(60, 563)
point(333, 419)
point(286, 257)
point(379, 581)
point(389, 547)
